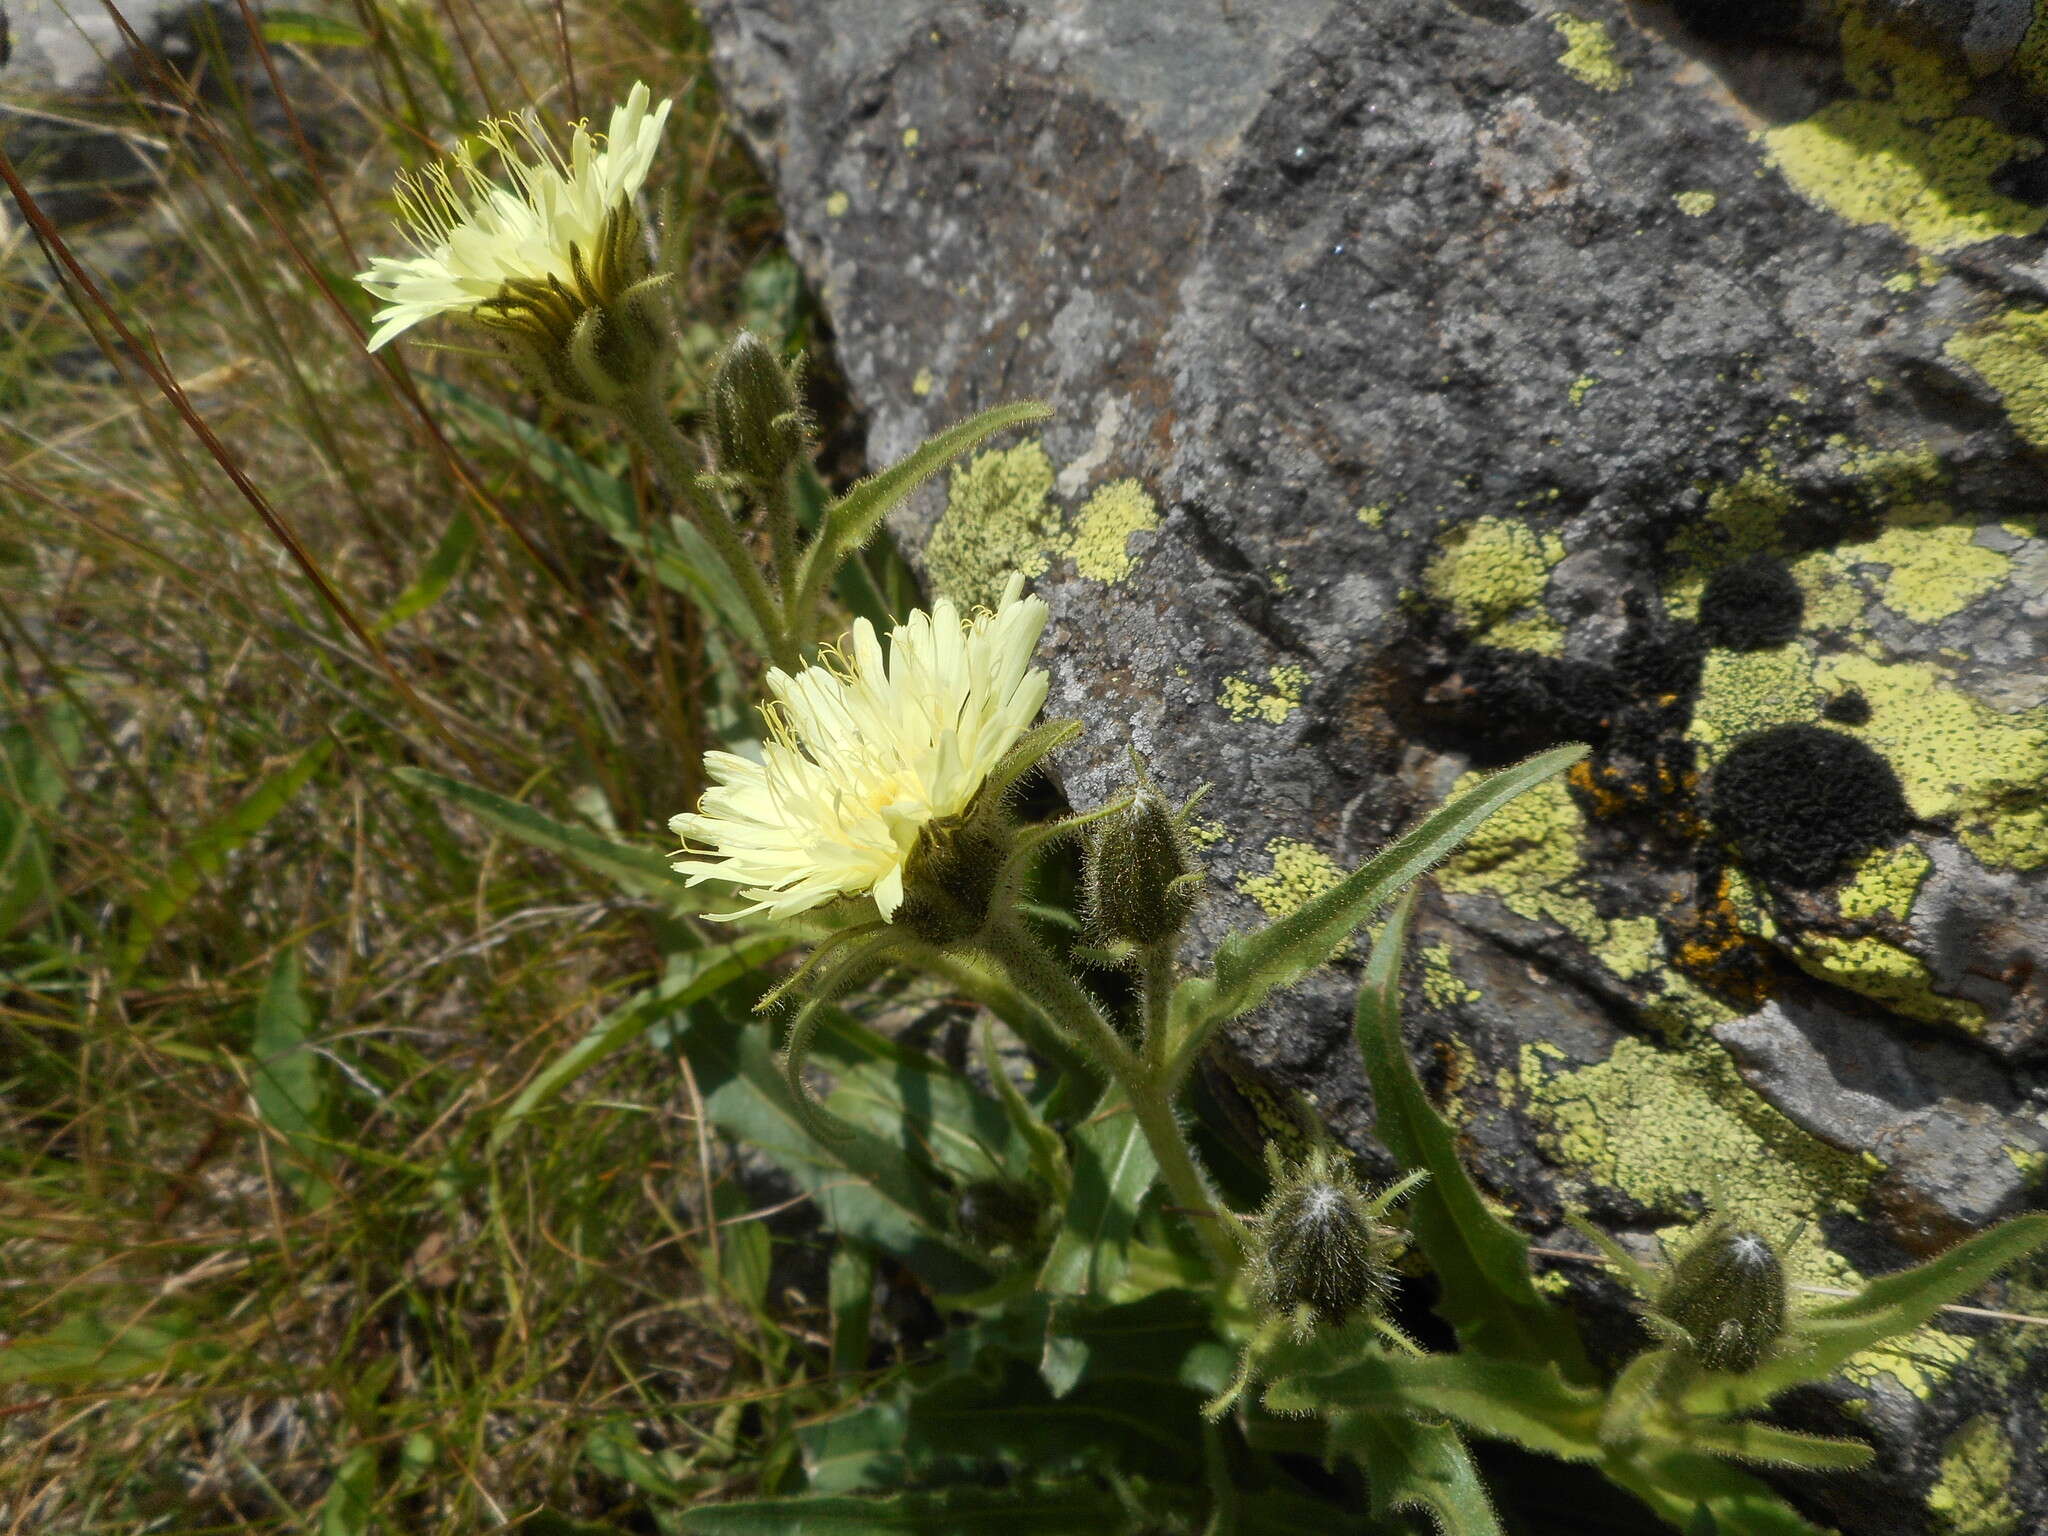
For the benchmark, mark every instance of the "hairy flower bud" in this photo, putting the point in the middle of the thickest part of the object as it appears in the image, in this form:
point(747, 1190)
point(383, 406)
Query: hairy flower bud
point(951, 877)
point(1142, 882)
point(1323, 1254)
point(1728, 1295)
point(757, 420)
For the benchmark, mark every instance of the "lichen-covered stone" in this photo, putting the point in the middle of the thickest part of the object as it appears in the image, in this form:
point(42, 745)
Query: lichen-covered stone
point(1458, 345)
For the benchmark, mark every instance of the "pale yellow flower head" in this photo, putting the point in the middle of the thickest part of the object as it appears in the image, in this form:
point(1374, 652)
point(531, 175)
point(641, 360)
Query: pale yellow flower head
point(863, 753)
point(474, 236)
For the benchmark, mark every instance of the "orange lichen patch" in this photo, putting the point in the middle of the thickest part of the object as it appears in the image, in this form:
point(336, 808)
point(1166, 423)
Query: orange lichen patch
point(1606, 791)
point(1715, 951)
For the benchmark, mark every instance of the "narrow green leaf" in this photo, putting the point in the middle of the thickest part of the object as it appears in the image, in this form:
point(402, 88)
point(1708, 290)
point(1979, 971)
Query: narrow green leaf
point(679, 556)
point(862, 1448)
point(1485, 1289)
point(1250, 967)
point(450, 553)
point(1113, 1167)
point(207, 852)
point(89, 1350)
point(351, 1501)
point(863, 1186)
point(1824, 1337)
point(1765, 1445)
point(856, 515)
point(634, 869)
point(850, 1298)
point(312, 31)
point(1679, 1485)
point(1412, 1465)
point(1024, 1509)
point(285, 1077)
point(693, 975)
point(1133, 1424)
point(34, 776)
point(1503, 1400)
point(744, 1252)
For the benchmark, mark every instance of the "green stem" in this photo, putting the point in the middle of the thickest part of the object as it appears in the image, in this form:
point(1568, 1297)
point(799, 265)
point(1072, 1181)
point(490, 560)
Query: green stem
point(1183, 1178)
point(780, 501)
point(1157, 960)
point(1047, 983)
point(1022, 1013)
point(1039, 976)
point(646, 416)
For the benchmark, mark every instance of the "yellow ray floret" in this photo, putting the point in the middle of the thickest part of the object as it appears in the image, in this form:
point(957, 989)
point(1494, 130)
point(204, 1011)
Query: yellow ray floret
point(863, 753)
point(472, 235)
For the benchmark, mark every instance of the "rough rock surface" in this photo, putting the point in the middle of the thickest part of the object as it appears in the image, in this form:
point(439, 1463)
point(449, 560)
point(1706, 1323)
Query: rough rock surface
point(70, 76)
point(1418, 366)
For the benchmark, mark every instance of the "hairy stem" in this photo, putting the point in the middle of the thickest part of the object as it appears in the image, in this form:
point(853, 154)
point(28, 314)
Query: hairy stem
point(779, 500)
point(1157, 960)
point(1184, 1180)
point(646, 416)
point(1039, 976)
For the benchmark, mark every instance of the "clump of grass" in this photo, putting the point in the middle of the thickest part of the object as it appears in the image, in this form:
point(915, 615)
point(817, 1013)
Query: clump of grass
point(257, 997)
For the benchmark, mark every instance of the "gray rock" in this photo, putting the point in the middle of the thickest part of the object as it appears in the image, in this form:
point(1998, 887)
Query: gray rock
point(1453, 349)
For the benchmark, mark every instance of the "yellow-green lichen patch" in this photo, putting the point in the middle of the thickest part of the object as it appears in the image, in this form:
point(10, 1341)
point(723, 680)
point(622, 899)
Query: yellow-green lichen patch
point(1206, 834)
point(1491, 573)
point(997, 520)
point(2011, 355)
point(1375, 516)
point(1745, 691)
point(1589, 52)
point(1582, 386)
point(1530, 855)
point(1743, 517)
point(1243, 699)
point(1902, 155)
point(835, 205)
point(1102, 536)
point(1671, 1128)
point(1955, 756)
point(1884, 973)
point(1973, 1495)
point(1886, 883)
point(1935, 567)
point(1919, 1362)
point(1442, 985)
point(922, 384)
point(1695, 205)
point(1300, 871)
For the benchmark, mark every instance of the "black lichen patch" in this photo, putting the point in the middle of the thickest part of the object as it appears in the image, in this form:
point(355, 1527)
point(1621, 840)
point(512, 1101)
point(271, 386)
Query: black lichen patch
point(1751, 605)
point(1732, 21)
point(1801, 803)
point(1849, 708)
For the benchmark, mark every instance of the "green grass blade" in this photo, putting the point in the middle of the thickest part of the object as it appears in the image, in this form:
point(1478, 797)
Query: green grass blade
point(636, 870)
point(1486, 1290)
point(203, 856)
point(693, 975)
point(679, 556)
point(1019, 1510)
point(1251, 967)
